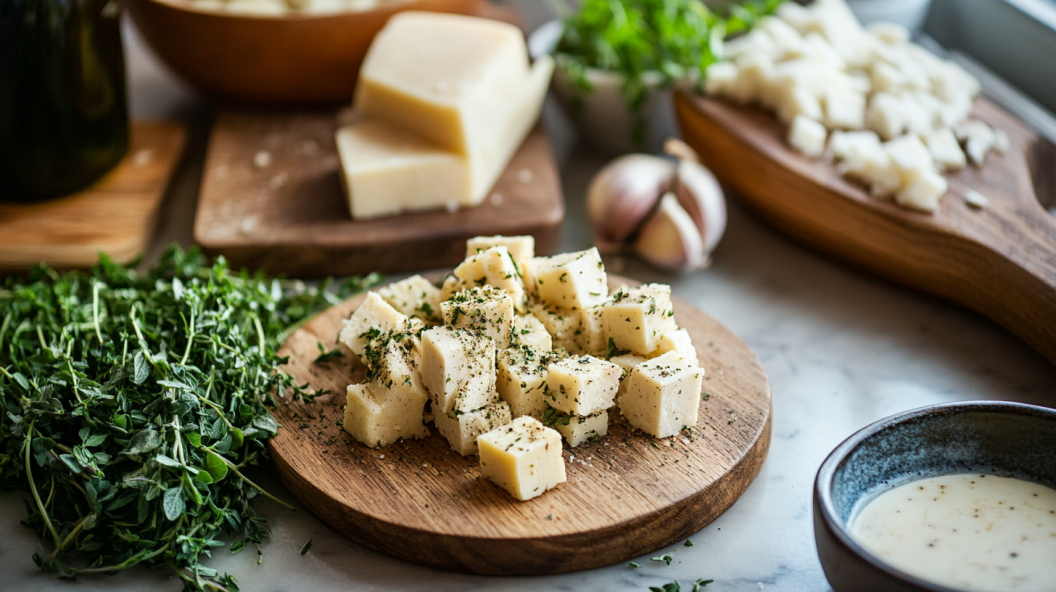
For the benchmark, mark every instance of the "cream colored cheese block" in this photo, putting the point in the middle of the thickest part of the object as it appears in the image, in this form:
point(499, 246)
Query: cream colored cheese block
point(530, 331)
point(636, 318)
point(627, 362)
point(590, 337)
point(494, 267)
point(387, 170)
point(560, 324)
point(374, 313)
point(457, 368)
point(662, 395)
point(578, 429)
point(583, 385)
point(414, 297)
point(462, 430)
point(523, 457)
point(570, 281)
point(521, 248)
point(807, 136)
point(462, 82)
point(486, 309)
point(521, 379)
point(679, 342)
point(379, 422)
point(393, 367)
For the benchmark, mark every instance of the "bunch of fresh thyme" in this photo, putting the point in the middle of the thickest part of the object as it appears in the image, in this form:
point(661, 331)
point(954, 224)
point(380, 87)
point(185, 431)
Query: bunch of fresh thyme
point(132, 403)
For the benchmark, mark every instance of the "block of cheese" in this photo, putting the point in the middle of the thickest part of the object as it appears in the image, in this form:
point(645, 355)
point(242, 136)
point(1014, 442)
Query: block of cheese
point(583, 385)
point(462, 82)
point(577, 429)
point(521, 248)
point(373, 314)
point(376, 421)
point(590, 337)
point(523, 457)
point(676, 341)
point(560, 324)
point(662, 395)
point(494, 267)
point(457, 368)
point(414, 297)
point(387, 170)
point(530, 331)
point(521, 379)
point(485, 309)
point(392, 367)
point(636, 318)
point(463, 429)
point(570, 281)
point(807, 136)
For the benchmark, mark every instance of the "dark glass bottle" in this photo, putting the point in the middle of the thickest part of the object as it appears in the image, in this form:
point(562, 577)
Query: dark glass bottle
point(63, 109)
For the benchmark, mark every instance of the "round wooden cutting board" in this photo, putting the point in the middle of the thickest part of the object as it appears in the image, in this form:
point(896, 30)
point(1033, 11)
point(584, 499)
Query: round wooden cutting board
point(627, 495)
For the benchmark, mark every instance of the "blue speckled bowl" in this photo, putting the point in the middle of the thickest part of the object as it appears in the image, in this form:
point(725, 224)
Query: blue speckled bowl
point(1008, 439)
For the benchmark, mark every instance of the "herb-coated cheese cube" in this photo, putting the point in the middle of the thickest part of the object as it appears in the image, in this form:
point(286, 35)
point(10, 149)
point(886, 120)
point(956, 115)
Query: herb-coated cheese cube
point(589, 337)
point(494, 267)
point(627, 362)
point(380, 422)
point(487, 310)
point(582, 386)
point(463, 429)
point(457, 368)
point(521, 248)
point(530, 331)
point(521, 379)
point(570, 281)
point(414, 297)
point(636, 318)
point(523, 457)
point(679, 342)
point(374, 313)
point(577, 429)
point(560, 324)
point(662, 395)
point(392, 367)
point(807, 136)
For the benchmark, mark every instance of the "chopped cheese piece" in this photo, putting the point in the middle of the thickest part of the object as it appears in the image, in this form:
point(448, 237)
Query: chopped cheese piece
point(487, 310)
point(530, 331)
point(945, 150)
point(662, 395)
point(494, 267)
point(462, 430)
point(589, 337)
point(636, 318)
point(577, 429)
point(521, 379)
point(462, 82)
point(374, 313)
point(457, 368)
point(376, 421)
point(388, 170)
point(627, 362)
point(570, 281)
point(560, 324)
point(523, 457)
point(393, 367)
point(582, 386)
point(923, 191)
point(521, 248)
point(844, 107)
point(414, 297)
point(807, 136)
point(680, 343)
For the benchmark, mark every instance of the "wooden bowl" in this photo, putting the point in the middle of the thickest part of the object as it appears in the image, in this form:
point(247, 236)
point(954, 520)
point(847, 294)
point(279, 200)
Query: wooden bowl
point(286, 60)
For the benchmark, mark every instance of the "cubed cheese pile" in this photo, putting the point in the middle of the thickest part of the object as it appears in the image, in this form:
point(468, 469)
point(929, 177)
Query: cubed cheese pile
point(514, 352)
point(444, 101)
point(893, 114)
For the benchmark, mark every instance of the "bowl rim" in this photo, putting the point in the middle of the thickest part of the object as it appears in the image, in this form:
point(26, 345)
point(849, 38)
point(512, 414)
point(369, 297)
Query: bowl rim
point(188, 6)
point(827, 471)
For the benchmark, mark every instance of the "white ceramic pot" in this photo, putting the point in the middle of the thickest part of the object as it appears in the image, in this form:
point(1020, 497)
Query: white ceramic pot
point(602, 117)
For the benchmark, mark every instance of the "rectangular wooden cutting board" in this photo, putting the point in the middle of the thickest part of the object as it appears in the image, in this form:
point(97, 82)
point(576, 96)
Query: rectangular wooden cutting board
point(271, 198)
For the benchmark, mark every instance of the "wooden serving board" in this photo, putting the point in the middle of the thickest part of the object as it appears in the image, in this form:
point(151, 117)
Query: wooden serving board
point(626, 495)
point(1000, 261)
point(291, 216)
point(116, 215)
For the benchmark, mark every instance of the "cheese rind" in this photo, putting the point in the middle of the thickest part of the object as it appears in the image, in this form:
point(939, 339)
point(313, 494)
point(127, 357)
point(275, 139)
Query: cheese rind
point(583, 385)
point(387, 170)
point(662, 395)
point(523, 457)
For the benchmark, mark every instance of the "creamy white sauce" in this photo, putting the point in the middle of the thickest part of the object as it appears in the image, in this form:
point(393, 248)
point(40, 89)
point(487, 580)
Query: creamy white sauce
point(970, 532)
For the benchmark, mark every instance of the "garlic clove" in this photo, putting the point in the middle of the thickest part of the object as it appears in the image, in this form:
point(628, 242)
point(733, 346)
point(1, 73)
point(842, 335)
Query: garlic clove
point(669, 238)
point(700, 194)
point(623, 193)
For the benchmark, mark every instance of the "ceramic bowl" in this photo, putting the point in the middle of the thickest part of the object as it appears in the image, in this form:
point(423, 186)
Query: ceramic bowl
point(285, 60)
point(1008, 439)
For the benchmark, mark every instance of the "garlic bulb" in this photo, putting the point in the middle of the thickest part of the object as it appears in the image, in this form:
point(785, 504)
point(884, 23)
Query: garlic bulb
point(670, 214)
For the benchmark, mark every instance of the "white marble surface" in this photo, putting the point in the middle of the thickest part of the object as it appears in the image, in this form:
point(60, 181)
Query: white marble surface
point(841, 348)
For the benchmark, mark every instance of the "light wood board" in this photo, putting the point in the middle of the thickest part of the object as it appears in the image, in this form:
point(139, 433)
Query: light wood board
point(627, 495)
point(1000, 261)
point(291, 215)
point(116, 215)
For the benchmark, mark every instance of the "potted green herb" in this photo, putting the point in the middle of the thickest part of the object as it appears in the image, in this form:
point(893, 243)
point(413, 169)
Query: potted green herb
point(618, 61)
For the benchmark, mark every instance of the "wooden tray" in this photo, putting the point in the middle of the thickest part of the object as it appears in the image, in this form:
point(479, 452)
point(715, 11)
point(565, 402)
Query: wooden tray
point(291, 216)
point(1000, 261)
point(116, 215)
point(628, 495)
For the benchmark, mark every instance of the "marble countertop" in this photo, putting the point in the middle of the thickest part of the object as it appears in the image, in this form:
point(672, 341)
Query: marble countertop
point(841, 348)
